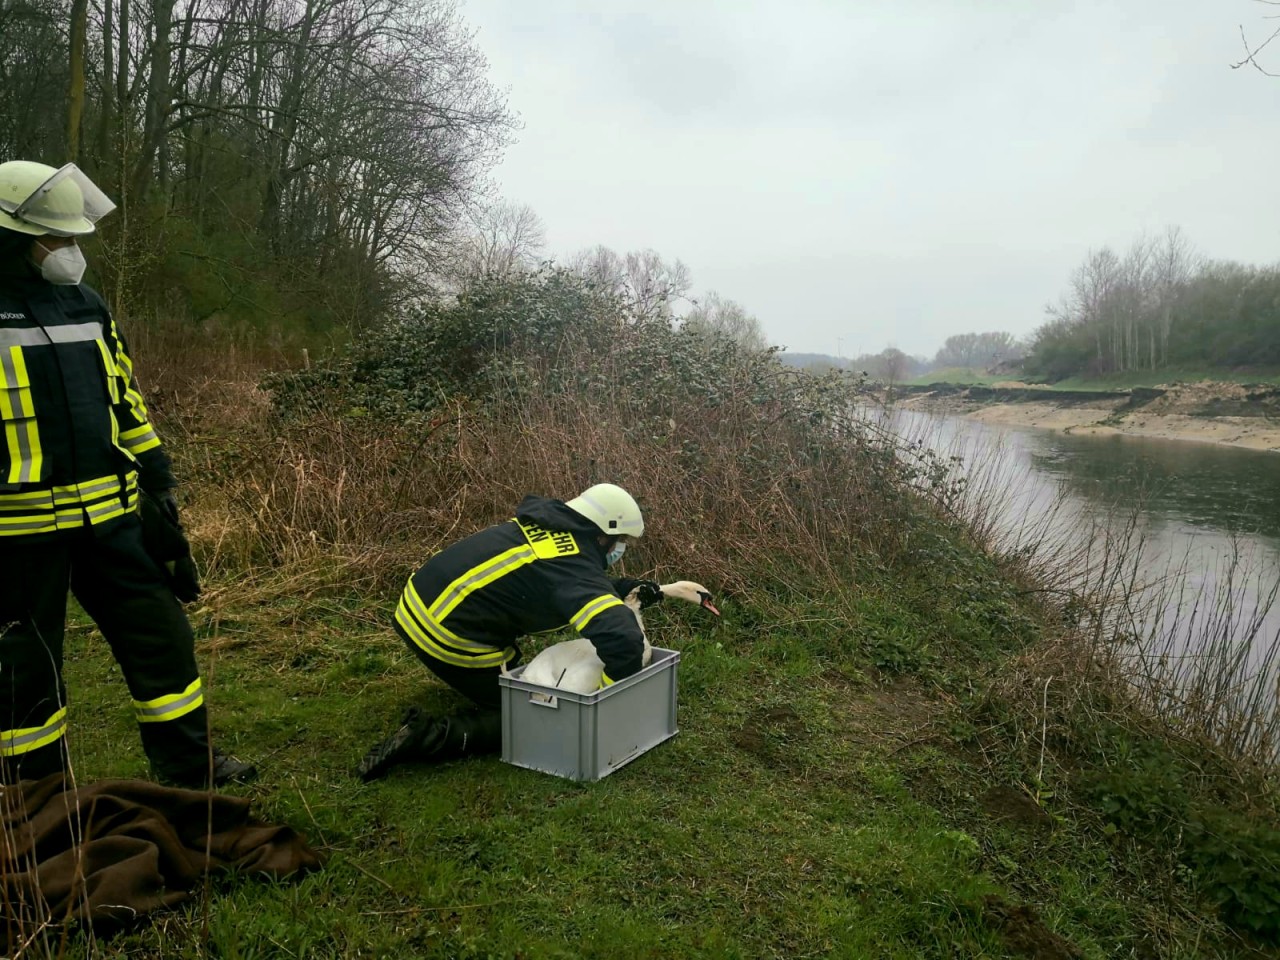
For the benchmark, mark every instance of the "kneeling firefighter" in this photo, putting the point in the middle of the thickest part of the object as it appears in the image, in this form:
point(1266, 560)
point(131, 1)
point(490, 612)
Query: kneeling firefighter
point(464, 610)
point(78, 453)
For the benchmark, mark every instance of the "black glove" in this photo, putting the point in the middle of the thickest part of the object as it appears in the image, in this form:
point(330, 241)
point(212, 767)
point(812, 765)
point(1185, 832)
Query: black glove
point(166, 543)
point(168, 504)
point(184, 579)
point(648, 592)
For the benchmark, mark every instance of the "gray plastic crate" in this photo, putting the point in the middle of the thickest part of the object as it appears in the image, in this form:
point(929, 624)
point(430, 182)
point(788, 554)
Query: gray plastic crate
point(588, 736)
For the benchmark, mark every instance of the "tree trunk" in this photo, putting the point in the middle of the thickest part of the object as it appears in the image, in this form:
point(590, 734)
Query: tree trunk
point(155, 122)
point(75, 92)
point(283, 131)
point(106, 109)
point(123, 106)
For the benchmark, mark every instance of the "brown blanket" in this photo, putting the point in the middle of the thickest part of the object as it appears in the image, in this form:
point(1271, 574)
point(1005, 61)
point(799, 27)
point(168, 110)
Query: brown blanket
point(111, 852)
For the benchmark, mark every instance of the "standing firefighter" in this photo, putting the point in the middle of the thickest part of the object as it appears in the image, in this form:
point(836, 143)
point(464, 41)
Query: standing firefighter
point(542, 570)
point(77, 449)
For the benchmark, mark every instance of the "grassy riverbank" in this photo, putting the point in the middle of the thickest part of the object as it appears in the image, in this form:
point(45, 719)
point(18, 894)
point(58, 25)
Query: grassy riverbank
point(892, 744)
point(843, 785)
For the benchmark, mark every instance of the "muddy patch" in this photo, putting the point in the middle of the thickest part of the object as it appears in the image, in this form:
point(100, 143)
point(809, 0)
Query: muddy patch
point(894, 715)
point(771, 734)
point(1024, 933)
point(1013, 807)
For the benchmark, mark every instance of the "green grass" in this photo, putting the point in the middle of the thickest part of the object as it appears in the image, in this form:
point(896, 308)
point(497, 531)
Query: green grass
point(957, 375)
point(811, 806)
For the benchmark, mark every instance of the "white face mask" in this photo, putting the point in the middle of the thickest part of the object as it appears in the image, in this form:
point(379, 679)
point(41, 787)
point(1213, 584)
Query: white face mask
point(615, 554)
point(62, 265)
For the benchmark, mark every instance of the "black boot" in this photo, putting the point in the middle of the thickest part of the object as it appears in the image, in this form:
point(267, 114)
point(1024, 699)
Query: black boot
point(433, 740)
point(179, 754)
point(226, 769)
point(35, 765)
point(471, 734)
point(415, 732)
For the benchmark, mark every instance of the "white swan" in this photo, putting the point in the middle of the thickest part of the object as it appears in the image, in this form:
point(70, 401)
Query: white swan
point(573, 665)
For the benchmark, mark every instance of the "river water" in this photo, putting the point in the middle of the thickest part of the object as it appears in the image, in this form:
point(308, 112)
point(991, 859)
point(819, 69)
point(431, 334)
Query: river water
point(1205, 521)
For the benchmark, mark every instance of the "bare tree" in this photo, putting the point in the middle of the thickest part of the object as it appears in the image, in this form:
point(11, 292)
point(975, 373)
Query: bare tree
point(1126, 307)
point(499, 240)
point(715, 314)
point(651, 286)
point(1176, 262)
point(977, 351)
point(889, 366)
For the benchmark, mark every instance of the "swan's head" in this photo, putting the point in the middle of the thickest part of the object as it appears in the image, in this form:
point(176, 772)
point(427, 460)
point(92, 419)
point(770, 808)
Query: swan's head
point(693, 592)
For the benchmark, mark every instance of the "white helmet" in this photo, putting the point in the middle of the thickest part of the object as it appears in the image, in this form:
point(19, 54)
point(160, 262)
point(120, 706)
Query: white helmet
point(611, 509)
point(38, 199)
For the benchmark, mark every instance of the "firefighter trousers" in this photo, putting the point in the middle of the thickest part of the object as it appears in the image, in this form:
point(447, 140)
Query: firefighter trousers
point(482, 727)
point(121, 588)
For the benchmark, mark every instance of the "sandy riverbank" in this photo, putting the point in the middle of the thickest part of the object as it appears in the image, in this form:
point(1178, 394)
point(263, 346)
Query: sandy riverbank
point(1184, 412)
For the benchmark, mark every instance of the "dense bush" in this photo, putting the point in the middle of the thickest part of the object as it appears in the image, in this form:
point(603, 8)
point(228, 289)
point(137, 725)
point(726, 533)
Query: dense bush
point(446, 349)
point(1236, 862)
point(1150, 793)
point(542, 383)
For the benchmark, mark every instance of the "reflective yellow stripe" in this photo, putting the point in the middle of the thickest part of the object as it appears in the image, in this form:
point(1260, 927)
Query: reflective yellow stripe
point(425, 624)
point(171, 706)
point(479, 576)
point(115, 439)
point(139, 439)
point(91, 489)
point(26, 501)
point(109, 368)
point(74, 492)
point(11, 399)
point(65, 507)
point(25, 456)
point(439, 641)
point(18, 526)
point(419, 610)
point(592, 609)
point(15, 742)
point(15, 400)
point(26, 460)
point(102, 512)
point(15, 376)
point(416, 632)
point(604, 680)
point(136, 406)
point(124, 366)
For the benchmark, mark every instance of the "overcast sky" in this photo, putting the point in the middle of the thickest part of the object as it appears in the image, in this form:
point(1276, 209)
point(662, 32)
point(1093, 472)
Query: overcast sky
point(870, 173)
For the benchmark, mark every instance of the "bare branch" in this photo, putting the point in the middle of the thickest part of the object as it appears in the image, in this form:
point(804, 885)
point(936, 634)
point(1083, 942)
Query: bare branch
point(1251, 55)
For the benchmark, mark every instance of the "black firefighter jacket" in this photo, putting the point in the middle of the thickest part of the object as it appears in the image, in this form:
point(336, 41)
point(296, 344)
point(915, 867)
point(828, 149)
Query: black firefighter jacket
point(76, 432)
point(540, 571)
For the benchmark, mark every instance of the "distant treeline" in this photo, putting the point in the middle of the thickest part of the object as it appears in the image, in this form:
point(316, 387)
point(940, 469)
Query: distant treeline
point(1160, 305)
point(964, 351)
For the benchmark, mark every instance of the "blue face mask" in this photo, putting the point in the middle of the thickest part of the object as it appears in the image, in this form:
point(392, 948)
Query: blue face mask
point(615, 554)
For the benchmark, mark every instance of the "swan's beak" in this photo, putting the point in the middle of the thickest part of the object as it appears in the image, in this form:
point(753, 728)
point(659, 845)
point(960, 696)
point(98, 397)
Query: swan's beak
point(704, 600)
